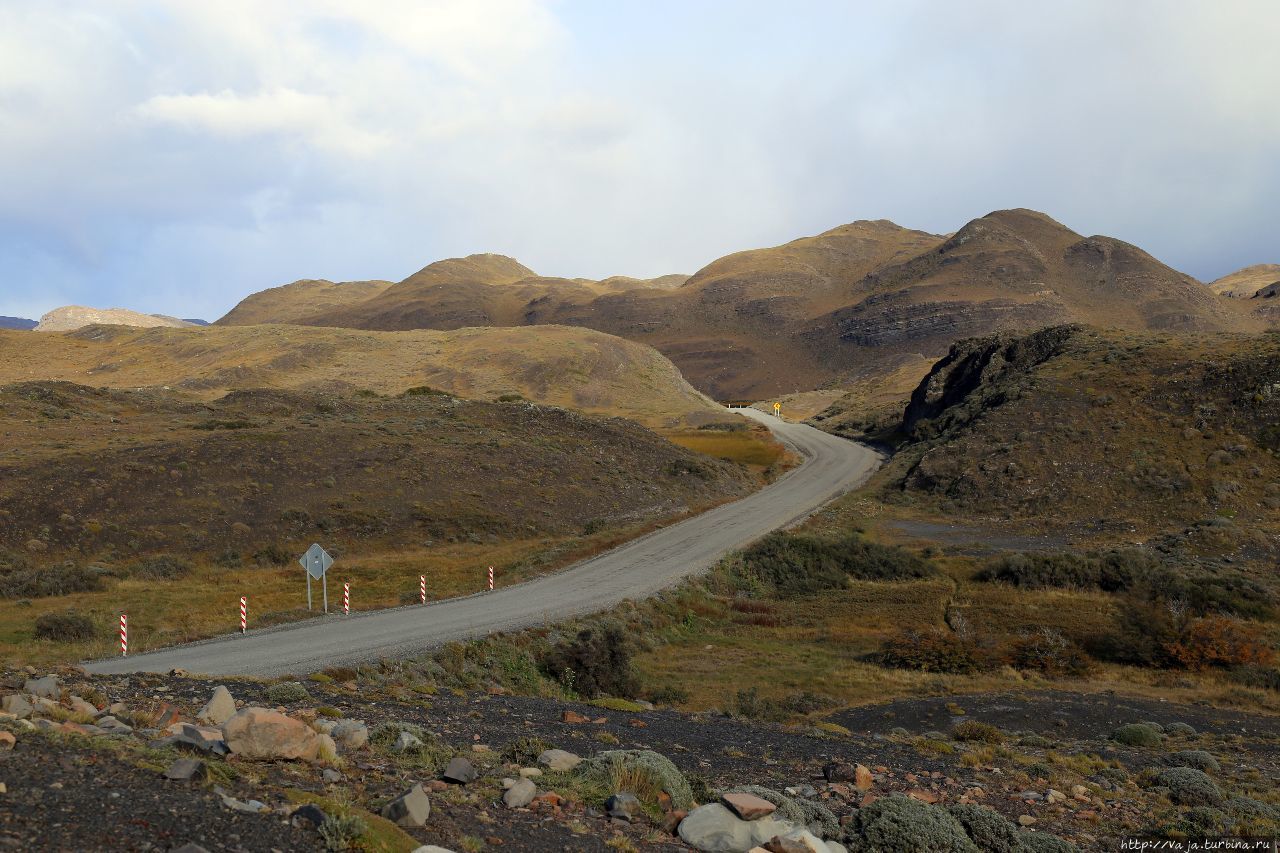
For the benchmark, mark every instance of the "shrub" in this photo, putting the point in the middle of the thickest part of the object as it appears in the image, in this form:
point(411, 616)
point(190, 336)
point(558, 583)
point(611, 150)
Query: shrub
point(1189, 787)
point(1251, 808)
point(1197, 759)
point(1219, 641)
point(1111, 571)
point(286, 692)
point(797, 564)
point(161, 568)
point(64, 627)
point(525, 750)
point(801, 812)
point(1137, 734)
point(341, 832)
point(642, 772)
point(988, 829)
point(1261, 677)
point(597, 661)
point(1180, 729)
point(272, 555)
point(1048, 652)
point(898, 824)
point(424, 391)
point(935, 651)
point(62, 579)
point(669, 694)
point(972, 730)
point(1043, 842)
point(228, 559)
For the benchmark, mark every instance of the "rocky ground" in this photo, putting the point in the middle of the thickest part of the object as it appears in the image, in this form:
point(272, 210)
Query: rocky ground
point(159, 762)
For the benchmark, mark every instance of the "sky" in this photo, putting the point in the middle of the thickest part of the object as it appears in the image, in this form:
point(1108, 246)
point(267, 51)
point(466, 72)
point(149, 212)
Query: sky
point(174, 157)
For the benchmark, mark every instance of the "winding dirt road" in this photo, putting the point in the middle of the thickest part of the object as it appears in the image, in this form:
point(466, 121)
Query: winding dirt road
point(639, 568)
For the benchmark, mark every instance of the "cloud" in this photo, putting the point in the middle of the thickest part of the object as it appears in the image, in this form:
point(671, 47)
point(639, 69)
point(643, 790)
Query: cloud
point(174, 156)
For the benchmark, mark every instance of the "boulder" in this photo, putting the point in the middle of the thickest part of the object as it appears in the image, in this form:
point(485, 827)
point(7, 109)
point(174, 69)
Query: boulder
point(622, 806)
point(7, 740)
point(748, 806)
point(263, 734)
point(412, 808)
point(520, 794)
point(113, 726)
point(862, 778)
point(350, 734)
point(839, 771)
point(16, 704)
point(459, 772)
point(559, 760)
point(715, 829)
point(220, 707)
point(81, 706)
point(309, 816)
point(187, 770)
point(797, 841)
point(45, 688)
point(431, 848)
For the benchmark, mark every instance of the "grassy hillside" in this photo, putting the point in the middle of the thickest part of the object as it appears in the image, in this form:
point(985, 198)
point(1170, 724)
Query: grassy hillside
point(1245, 283)
point(292, 302)
point(114, 499)
point(574, 368)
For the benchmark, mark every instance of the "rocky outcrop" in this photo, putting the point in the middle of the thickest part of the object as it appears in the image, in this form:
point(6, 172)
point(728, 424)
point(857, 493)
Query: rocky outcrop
point(257, 733)
point(72, 317)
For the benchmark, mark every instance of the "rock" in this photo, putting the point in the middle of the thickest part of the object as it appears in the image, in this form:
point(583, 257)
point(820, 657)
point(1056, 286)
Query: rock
point(80, 706)
point(715, 829)
point(190, 847)
point(530, 772)
point(17, 705)
point(309, 816)
point(839, 771)
point(249, 806)
point(923, 796)
point(520, 794)
point(748, 806)
point(796, 841)
point(45, 688)
point(1025, 820)
point(220, 707)
point(263, 734)
point(412, 808)
point(1055, 796)
point(350, 734)
point(622, 806)
point(187, 770)
point(573, 717)
point(167, 716)
point(405, 742)
point(431, 848)
point(7, 740)
point(113, 726)
point(559, 760)
point(862, 778)
point(459, 772)
point(330, 776)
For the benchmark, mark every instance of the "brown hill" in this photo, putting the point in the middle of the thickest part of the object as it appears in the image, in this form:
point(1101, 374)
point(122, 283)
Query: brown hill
point(71, 317)
point(292, 302)
point(1245, 283)
point(574, 368)
point(854, 302)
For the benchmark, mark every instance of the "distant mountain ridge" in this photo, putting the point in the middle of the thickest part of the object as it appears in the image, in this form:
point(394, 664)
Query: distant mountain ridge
point(862, 299)
point(20, 323)
point(71, 317)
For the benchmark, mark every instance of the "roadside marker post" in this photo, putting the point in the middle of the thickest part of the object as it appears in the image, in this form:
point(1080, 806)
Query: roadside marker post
point(777, 410)
point(422, 588)
point(244, 613)
point(346, 599)
point(491, 579)
point(124, 635)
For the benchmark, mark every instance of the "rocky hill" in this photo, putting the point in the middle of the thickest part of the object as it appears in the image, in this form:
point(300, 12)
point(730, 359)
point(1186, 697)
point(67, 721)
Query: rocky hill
point(575, 368)
point(291, 303)
point(1245, 283)
point(856, 302)
point(72, 317)
point(17, 323)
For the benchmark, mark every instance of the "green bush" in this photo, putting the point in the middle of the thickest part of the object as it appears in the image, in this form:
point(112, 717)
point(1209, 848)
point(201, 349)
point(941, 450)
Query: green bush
point(988, 829)
point(161, 568)
point(525, 750)
point(802, 812)
point(1260, 677)
point(286, 692)
point(1137, 734)
point(62, 579)
point(972, 730)
point(596, 662)
point(797, 564)
point(341, 832)
point(1180, 729)
point(898, 824)
point(641, 772)
point(935, 651)
point(384, 734)
point(1189, 787)
point(1198, 759)
point(64, 627)
point(272, 555)
point(228, 559)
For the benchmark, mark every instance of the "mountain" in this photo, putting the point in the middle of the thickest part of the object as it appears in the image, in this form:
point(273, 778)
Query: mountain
point(195, 322)
point(859, 301)
point(1245, 283)
point(293, 302)
point(71, 317)
point(573, 368)
point(17, 323)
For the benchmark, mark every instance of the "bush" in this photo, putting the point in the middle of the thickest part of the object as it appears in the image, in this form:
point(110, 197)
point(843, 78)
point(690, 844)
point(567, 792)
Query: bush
point(286, 692)
point(796, 564)
point(974, 731)
point(988, 829)
point(1189, 787)
point(1112, 571)
point(1260, 677)
point(272, 555)
point(384, 734)
point(642, 772)
point(805, 813)
point(161, 568)
point(596, 662)
point(62, 579)
point(1048, 652)
point(935, 651)
point(898, 824)
point(341, 832)
point(228, 559)
point(1180, 729)
point(67, 626)
point(669, 694)
point(1137, 734)
point(1197, 759)
point(525, 750)
point(1219, 641)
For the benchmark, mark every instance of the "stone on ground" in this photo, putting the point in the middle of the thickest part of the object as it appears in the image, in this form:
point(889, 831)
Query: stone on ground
point(187, 770)
point(622, 806)
point(81, 706)
point(520, 794)
point(220, 707)
point(308, 814)
point(17, 705)
point(45, 688)
point(460, 771)
point(7, 740)
point(748, 806)
point(264, 734)
point(350, 734)
point(715, 829)
point(559, 760)
point(412, 808)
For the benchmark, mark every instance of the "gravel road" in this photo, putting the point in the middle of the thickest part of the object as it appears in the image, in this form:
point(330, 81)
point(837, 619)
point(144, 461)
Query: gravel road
point(634, 570)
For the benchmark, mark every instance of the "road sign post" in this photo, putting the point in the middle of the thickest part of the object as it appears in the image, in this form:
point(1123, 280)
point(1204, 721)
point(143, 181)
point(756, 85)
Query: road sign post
point(317, 562)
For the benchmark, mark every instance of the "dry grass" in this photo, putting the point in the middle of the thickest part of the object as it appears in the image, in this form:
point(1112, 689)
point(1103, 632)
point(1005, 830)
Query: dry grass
point(754, 447)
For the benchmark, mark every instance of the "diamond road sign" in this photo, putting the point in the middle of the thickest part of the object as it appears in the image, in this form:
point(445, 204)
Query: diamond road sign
point(316, 561)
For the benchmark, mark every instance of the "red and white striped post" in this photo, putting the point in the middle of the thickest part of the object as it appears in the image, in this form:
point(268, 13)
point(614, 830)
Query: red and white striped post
point(422, 588)
point(124, 635)
point(491, 579)
point(346, 599)
point(244, 613)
